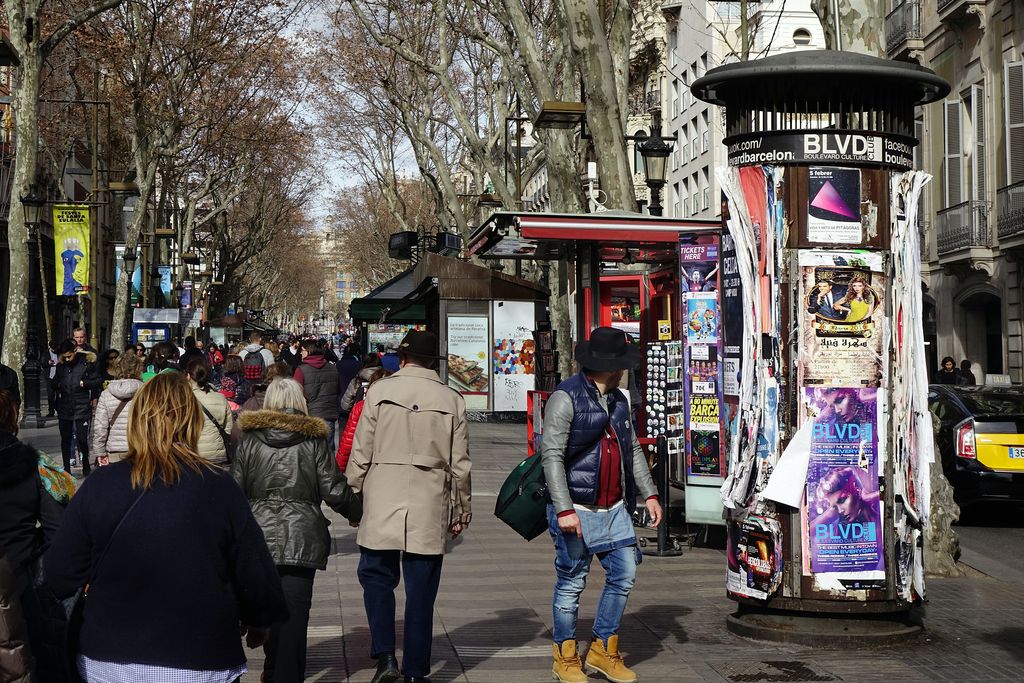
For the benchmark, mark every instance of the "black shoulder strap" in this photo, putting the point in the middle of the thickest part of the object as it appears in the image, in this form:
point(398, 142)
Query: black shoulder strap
point(99, 560)
point(223, 432)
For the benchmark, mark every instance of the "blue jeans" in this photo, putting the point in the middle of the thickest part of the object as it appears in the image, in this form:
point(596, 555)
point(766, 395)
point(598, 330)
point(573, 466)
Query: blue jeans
point(572, 564)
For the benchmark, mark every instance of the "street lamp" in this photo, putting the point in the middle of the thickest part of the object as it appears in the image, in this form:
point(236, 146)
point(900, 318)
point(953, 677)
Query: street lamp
point(655, 152)
point(32, 204)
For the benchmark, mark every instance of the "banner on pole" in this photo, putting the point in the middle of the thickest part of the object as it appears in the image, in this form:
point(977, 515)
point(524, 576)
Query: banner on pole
point(71, 246)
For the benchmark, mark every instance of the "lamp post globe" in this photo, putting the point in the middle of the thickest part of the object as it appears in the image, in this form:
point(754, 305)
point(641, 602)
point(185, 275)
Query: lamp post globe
point(655, 152)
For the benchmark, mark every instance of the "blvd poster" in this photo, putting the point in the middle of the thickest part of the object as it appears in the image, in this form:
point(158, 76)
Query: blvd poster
point(843, 530)
point(71, 244)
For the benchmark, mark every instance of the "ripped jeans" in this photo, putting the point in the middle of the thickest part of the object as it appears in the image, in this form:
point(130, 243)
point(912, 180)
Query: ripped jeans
point(572, 565)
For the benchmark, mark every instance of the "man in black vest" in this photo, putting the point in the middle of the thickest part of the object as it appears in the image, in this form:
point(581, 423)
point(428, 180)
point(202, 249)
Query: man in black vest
point(594, 468)
point(319, 380)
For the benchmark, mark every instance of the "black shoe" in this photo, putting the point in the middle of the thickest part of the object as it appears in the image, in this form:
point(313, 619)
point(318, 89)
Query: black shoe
point(387, 669)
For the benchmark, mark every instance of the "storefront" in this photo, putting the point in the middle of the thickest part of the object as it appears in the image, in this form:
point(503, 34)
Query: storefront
point(658, 279)
point(368, 313)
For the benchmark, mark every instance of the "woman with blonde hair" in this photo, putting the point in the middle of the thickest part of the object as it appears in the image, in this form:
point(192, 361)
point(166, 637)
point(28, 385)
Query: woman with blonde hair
point(285, 469)
point(110, 421)
point(858, 302)
point(169, 553)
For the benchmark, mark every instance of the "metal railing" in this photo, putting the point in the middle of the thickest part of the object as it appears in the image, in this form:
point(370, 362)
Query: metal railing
point(1010, 210)
point(962, 226)
point(903, 24)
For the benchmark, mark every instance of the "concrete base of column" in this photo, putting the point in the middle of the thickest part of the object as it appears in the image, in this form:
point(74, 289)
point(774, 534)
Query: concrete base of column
point(825, 630)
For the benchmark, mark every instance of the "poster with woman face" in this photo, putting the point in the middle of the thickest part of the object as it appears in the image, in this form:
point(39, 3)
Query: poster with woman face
point(841, 310)
point(843, 529)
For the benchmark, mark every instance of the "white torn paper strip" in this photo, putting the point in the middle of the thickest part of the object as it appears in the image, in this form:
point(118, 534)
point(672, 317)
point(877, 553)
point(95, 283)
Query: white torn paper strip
point(789, 478)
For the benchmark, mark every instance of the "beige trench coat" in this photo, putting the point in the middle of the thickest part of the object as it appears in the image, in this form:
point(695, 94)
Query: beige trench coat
point(410, 460)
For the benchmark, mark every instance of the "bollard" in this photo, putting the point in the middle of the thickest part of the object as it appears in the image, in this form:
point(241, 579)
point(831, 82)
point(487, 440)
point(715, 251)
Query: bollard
point(666, 546)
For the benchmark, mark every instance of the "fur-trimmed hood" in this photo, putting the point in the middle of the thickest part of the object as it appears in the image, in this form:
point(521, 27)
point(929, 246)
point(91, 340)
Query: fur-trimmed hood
point(282, 428)
point(18, 460)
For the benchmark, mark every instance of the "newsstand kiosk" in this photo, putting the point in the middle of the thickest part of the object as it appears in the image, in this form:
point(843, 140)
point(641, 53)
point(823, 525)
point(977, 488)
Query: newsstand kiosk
point(829, 434)
point(658, 279)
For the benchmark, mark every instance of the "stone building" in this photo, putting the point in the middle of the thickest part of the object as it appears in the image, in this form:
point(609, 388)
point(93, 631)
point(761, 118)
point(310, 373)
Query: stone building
point(972, 144)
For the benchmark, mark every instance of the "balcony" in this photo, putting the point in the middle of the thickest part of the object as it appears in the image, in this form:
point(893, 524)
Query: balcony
point(957, 10)
point(962, 227)
point(903, 35)
point(923, 227)
point(1010, 211)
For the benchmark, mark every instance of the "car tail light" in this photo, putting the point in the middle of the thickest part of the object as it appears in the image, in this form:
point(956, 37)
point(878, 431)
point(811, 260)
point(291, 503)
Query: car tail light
point(965, 440)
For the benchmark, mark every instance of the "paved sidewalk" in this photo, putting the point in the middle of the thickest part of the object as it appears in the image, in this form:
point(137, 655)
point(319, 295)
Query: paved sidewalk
point(493, 613)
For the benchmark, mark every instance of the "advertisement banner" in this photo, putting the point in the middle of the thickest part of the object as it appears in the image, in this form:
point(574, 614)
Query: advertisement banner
point(186, 294)
point(513, 354)
point(843, 517)
point(381, 336)
point(166, 297)
point(754, 557)
point(732, 318)
point(135, 291)
point(702, 388)
point(842, 318)
point(71, 244)
point(468, 373)
point(833, 210)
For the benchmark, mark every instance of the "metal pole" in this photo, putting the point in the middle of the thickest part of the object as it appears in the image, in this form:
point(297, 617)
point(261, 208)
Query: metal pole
point(30, 371)
point(665, 547)
point(95, 241)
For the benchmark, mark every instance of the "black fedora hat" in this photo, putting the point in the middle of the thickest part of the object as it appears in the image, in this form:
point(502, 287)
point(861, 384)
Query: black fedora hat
point(607, 350)
point(420, 343)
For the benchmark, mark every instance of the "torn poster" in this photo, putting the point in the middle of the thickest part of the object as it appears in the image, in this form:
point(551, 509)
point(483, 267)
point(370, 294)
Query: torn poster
point(754, 563)
point(786, 485)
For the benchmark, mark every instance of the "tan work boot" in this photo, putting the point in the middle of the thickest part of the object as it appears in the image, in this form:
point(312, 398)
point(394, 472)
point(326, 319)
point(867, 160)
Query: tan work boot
point(568, 667)
point(604, 657)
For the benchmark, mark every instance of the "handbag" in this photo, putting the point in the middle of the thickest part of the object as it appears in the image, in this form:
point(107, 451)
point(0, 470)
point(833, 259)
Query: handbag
point(229, 452)
point(522, 499)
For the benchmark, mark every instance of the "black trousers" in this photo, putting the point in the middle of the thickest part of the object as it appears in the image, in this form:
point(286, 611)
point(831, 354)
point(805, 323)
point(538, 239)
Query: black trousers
point(285, 649)
point(71, 431)
point(379, 575)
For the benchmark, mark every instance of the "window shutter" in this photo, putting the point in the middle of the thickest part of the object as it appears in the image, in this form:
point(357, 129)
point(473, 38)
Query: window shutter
point(1013, 81)
point(953, 161)
point(978, 118)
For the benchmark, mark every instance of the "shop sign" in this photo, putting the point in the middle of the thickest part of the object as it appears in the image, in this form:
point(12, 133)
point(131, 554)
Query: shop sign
point(468, 372)
point(664, 330)
point(513, 354)
point(823, 148)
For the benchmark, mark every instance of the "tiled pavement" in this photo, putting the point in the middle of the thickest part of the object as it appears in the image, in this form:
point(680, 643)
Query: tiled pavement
point(493, 612)
point(493, 616)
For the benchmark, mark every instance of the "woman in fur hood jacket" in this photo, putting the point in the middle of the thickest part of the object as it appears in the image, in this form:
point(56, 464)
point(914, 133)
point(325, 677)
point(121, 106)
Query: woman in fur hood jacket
point(285, 468)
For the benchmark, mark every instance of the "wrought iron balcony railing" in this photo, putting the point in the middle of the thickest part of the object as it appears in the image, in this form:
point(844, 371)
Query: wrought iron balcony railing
point(1010, 211)
point(903, 24)
point(962, 226)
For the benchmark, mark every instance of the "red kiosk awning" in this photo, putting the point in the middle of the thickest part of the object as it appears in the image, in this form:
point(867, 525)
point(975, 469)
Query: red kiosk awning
point(509, 235)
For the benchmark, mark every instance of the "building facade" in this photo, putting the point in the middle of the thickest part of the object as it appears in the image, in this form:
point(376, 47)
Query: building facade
point(972, 143)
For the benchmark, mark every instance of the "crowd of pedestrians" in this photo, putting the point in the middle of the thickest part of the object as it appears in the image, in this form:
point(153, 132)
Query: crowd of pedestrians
point(199, 522)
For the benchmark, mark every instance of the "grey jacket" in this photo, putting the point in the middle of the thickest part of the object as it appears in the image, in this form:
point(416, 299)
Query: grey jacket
point(558, 413)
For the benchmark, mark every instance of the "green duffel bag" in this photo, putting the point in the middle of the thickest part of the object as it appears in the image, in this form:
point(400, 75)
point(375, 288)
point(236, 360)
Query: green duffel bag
point(522, 500)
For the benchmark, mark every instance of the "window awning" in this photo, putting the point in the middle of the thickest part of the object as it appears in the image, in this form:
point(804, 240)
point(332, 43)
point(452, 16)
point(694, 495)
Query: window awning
point(509, 235)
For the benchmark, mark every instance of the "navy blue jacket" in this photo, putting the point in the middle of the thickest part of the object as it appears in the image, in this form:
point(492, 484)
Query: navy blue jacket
point(186, 567)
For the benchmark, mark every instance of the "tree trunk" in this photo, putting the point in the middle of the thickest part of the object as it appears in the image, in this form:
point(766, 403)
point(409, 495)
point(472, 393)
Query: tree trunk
point(25, 106)
point(604, 113)
point(861, 25)
point(122, 290)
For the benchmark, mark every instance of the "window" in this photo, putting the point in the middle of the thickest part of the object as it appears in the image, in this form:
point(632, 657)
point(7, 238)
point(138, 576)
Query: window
point(694, 150)
point(1013, 80)
point(696, 200)
point(673, 44)
point(675, 199)
point(952, 163)
point(675, 97)
point(638, 158)
point(707, 198)
point(801, 36)
point(976, 110)
point(342, 285)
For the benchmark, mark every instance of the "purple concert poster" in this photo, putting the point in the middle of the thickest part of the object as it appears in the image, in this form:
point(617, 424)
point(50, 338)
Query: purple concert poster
point(844, 513)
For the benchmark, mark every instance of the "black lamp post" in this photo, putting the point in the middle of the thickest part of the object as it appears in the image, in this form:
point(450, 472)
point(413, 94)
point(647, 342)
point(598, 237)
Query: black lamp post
point(32, 204)
point(655, 152)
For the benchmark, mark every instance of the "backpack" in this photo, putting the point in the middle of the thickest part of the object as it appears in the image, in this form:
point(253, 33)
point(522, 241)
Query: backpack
point(253, 366)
